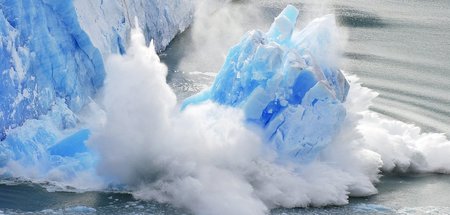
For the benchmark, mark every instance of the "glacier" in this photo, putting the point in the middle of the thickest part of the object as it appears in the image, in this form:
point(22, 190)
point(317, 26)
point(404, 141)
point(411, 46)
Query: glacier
point(52, 66)
point(54, 49)
point(45, 55)
point(279, 127)
point(108, 23)
point(287, 83)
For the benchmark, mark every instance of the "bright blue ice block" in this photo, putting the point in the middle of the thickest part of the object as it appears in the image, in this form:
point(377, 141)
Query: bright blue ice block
point(284, 83)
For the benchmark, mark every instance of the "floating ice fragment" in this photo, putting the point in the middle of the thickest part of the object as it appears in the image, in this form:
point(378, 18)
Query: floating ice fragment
point(285, 82)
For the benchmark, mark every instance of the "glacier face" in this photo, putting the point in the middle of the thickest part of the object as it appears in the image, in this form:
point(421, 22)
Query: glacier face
point(54, 49)
point(45, 55)
point(108, 22)
point(45, 148)
point(285, 82)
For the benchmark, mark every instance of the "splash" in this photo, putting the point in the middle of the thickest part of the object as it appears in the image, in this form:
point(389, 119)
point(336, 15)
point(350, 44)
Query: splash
point(208, 156)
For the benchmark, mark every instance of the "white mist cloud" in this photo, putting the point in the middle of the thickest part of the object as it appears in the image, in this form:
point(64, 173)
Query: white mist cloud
point(192, 159)
point(218, 25)
point(208, 160)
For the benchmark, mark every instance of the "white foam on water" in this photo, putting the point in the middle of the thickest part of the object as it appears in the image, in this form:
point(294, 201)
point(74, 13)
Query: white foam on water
point(208, 160)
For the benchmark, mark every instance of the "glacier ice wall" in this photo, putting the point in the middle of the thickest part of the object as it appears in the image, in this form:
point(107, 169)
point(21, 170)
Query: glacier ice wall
point(44, 148)
point(45, 55)
point(52, 49)
point(287, 83)
point(108, 22)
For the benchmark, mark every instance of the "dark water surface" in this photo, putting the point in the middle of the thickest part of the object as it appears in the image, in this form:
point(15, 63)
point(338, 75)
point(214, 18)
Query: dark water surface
point(398, 194)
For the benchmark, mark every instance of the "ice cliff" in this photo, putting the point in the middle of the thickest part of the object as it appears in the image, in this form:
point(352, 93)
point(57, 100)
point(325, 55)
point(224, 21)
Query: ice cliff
point(54, 49)
point(286, 82)
point(108, 22)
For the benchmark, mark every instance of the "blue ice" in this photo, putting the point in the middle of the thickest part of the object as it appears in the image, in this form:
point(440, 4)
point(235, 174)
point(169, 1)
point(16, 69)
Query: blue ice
point(285, 82)
point(70, 146)
point(51, 66)
point(53, 141)
point(45, 55)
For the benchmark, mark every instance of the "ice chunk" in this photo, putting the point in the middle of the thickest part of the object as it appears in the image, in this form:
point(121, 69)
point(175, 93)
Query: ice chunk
point(283, 26)
point(287, 83)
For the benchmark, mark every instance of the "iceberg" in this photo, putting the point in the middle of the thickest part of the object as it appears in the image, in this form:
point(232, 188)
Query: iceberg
point(286, 82)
